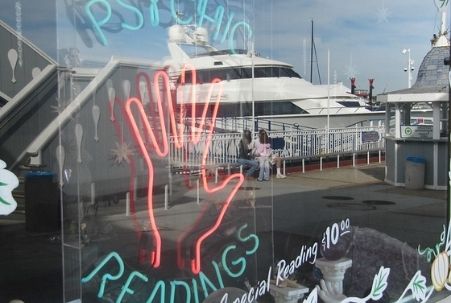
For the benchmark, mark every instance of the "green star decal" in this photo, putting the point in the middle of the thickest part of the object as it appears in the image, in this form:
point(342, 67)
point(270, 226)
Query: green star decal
point(1, 199)
point(4, 202)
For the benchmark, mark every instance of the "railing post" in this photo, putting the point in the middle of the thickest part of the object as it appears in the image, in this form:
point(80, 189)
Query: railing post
point(166, 197)
point(127, 204)
point(356, 138)
point(197, 192)
point(93, 193)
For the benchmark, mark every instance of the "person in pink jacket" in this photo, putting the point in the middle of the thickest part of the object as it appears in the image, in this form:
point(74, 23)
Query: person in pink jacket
point(265, 157)
point(263, 153)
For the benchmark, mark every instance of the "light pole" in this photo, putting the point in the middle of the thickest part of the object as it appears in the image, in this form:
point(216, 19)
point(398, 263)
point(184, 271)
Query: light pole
point(409, 67)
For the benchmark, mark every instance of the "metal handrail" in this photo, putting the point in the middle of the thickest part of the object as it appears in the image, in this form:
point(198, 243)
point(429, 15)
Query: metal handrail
point(297, 144)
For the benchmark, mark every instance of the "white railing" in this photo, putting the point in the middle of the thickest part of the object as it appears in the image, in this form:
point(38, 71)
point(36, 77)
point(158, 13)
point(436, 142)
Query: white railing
point(241, 123)
point(292, 144)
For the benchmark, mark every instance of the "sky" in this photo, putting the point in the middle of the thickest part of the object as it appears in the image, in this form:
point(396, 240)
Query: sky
point(363, 37)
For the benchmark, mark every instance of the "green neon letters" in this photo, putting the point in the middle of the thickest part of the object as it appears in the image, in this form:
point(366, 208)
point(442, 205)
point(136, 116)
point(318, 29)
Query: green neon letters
point(217, 19)
point(158, 291)
point(126, 288)
point(97, 24)
point(136, 11)
point(107, 276)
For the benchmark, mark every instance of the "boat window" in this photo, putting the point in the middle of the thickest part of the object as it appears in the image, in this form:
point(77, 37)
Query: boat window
point(262, 72)
point(195, 50)
point(246, 72)
point(288, 72)
point(349, 103)
point(261, 109)
point(222, 52)
point(245, 109)
point(233, 73)
point(275, 71)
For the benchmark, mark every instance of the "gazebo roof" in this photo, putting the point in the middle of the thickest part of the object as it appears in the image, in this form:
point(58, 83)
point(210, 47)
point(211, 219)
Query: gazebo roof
point(433, 73)
point(432, 80)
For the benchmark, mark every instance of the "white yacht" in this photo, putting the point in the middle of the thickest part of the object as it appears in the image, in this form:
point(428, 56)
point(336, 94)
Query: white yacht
point(260, 87)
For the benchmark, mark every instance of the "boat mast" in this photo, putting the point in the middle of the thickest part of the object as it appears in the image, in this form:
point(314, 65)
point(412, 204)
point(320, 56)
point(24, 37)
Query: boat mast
point(313, 49)
point(311, 55)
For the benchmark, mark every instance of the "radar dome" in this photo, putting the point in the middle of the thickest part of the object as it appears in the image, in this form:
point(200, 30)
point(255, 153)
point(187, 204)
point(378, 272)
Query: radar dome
point(176, 33)
point(201, 35)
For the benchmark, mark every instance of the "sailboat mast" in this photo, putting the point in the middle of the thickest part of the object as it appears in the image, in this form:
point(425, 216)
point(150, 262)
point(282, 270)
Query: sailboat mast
point(311, 56)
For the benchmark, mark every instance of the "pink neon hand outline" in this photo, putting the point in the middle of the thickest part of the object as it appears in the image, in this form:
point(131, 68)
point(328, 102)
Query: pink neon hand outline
point(150, 139)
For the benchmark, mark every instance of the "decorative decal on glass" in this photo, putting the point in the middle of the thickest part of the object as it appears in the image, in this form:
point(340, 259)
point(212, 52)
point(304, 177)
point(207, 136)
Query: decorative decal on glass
point(383, 14)
point(12, 57)
point(35, 72)
point(60, 157)
point(143, 92)
point(440, 272)
point(19, 31)
point(126, 89)
point(111, 98)
point(233, 266)
point(122, 153)
point(78, 140)
point(96, 117)
point(8, 182)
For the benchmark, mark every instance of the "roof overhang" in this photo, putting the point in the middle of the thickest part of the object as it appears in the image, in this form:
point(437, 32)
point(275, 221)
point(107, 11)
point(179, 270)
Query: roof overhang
point(413, 97)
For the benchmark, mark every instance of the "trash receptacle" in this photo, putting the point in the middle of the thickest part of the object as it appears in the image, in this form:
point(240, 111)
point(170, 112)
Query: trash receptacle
point(414, 173)
point(41, 202)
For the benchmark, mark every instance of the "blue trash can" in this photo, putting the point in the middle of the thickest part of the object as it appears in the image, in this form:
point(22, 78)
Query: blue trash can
point(414, 172)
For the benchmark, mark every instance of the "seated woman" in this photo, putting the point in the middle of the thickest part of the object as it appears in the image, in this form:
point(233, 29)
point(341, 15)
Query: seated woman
point(246, 153)
point(265, 156)
point(263, 152)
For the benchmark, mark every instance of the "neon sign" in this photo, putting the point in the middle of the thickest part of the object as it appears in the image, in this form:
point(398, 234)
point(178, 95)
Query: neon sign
point(145, 137)
point(115, 266)
point(217, 20)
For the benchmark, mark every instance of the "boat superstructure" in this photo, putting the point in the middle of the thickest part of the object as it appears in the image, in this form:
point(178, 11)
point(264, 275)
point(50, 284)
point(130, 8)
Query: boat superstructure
point(257, 86)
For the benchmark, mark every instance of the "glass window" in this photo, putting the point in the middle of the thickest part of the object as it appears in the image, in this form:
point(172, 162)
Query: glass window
point(264, 187)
